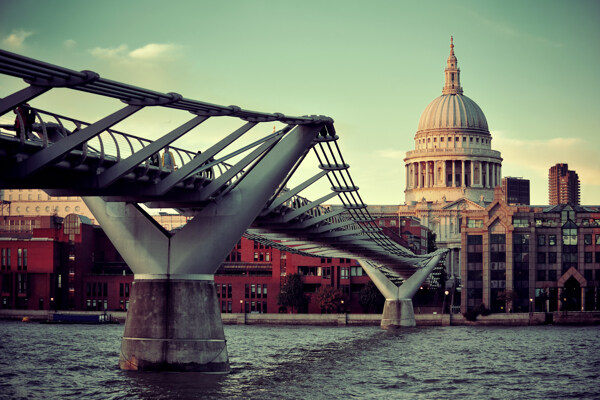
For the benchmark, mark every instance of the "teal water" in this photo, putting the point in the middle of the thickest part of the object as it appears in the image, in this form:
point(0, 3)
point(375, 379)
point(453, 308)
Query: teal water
point(540, 362)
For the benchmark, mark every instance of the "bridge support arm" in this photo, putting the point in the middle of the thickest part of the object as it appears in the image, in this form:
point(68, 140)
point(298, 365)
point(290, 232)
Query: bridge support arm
point(398, 309)
point(174, 322)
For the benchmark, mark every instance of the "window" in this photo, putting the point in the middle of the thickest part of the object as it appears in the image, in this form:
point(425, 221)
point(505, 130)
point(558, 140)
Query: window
point(356, 271)
point(541, 258)
point(587, 239)
point(344, 273)
point(541, 240)
point(541, 275)
point(393, 222)
point(520, 222)
point(552, 275)
point(551, 240)
point(587, 257)
point(474, 223)
point(255, 256)
point(265, 294)
point(597, 242)
point(229, 290)
point(552, 257)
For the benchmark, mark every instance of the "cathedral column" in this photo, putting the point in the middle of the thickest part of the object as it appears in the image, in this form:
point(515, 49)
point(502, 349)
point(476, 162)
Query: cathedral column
point(462, 173)
point(481, 174)
point(445, 172)
point(493, 174)
point(472, 183)
point(487, 175)
point(420, 168)
point(427, 174)
point(453, 173)
point(499, 173)
point(407, 175)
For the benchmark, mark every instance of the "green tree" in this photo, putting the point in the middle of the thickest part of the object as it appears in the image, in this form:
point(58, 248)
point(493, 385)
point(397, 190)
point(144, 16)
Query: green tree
point(292, 294)
point(371, 299)
point(330, 299)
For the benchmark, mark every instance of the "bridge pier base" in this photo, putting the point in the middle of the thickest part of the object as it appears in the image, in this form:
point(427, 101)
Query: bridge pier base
point(174, 325)
point(398, 313)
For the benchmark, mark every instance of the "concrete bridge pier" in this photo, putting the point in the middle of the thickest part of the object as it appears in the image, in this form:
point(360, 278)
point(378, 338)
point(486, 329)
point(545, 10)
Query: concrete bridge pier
point(174, 325)
point(398, 313)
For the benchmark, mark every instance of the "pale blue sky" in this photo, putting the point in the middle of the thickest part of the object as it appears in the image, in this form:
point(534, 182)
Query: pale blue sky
point(373, 66)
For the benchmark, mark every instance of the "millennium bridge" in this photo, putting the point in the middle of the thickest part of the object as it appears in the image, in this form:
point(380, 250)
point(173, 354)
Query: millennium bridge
point(237, 186)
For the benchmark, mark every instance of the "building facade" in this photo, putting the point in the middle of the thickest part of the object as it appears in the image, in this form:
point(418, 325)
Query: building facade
point(453, 170)
point(563, 185)
point(516, 190)
point(531, 258)
point(453, 157)
point(54, 263)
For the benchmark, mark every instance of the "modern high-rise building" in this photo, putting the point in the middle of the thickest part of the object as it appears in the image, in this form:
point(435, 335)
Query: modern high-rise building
point(563, 185)
point(516, 190)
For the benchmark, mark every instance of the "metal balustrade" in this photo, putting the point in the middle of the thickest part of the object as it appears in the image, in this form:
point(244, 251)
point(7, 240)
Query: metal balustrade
point(119, 167)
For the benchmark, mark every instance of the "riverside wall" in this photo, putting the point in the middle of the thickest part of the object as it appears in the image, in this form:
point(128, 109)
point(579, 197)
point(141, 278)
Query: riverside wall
point(513, 319)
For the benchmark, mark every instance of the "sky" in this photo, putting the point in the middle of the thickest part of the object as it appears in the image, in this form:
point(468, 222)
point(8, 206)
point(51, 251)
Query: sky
point(373, 66)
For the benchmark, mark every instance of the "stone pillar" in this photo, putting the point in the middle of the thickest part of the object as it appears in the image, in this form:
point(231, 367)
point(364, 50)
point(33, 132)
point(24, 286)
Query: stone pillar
point(427, 174)
point(453, 173)
point(472, 182)
point(398, 313)
point(445, 172)
point(407, 176)
point(487, 175)
point(481, 183)
point(463, 175)
point(420, 168)
point(174, 325)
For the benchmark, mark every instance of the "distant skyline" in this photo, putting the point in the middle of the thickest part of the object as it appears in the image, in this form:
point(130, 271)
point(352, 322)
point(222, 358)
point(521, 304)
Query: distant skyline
point(371, 66)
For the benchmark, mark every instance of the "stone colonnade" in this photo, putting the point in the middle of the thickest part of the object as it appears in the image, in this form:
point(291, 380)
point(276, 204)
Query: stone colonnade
point(453, 173)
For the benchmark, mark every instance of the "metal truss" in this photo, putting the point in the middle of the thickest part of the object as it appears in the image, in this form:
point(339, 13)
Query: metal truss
point(66, 156)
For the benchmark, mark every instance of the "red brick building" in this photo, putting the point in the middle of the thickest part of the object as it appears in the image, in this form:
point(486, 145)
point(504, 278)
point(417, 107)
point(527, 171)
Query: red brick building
point(48, 262)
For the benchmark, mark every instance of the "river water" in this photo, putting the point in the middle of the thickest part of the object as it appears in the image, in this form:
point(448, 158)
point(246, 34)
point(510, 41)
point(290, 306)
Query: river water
point(541, 362)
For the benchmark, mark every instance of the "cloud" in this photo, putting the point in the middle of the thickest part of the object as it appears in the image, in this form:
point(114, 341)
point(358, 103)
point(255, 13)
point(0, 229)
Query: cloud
point(16, 39)
point(69, 43)
point(149, 52)
point(110, 52)
point(154, 51)
point(540, 155)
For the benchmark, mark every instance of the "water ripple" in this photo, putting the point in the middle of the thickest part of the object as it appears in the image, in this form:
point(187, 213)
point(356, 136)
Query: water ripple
point(73, 362)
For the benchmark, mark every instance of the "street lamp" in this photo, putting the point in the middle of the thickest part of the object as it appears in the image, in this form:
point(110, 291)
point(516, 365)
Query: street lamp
point(530, 308)
point(444, 302)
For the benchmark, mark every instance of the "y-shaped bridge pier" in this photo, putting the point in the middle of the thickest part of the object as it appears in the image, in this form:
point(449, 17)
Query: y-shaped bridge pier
point(231, 190)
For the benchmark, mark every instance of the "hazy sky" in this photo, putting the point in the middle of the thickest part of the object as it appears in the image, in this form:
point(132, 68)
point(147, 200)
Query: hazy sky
point(373, 66)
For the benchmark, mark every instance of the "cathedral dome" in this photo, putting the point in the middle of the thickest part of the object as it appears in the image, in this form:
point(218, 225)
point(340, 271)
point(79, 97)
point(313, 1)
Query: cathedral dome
point(453, 111)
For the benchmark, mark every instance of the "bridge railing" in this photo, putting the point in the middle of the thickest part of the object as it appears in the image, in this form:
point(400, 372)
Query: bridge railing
point(110, 145)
